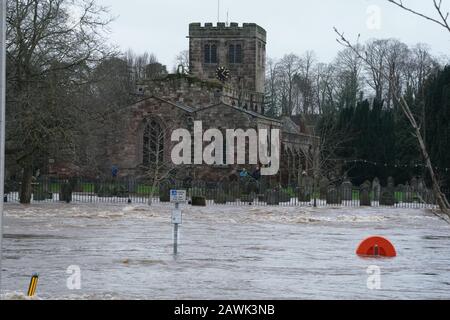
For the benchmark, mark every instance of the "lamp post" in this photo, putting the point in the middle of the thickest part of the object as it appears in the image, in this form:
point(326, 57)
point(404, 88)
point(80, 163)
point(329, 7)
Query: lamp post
point(2, 120)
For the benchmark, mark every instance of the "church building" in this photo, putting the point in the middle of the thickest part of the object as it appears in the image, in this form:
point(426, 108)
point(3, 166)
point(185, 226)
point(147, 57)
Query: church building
point(223, 88)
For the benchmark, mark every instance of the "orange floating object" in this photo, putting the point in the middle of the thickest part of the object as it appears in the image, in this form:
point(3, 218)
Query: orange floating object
point(376, 247)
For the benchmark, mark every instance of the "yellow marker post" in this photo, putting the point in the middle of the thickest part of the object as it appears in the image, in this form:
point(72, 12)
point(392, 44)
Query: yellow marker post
point(33, 285)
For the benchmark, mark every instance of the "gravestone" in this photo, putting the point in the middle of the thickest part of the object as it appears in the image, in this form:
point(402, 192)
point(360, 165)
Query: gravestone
point(42, 195)
point(429, 197)
point(250, 198)
point(164, 191)
point(198, 188)
point(346, 191)
point(391, 183)
point(401, 189)
point(250, 186)
point(220, 196)
point(198, 201)
point(210, 193)
point(421, 185)
point(323, 187)
point(272, 197)
point(387, 197)
point(422, 189)
point(408, 197)
point(261, 197)
point(283, 196)
point(333, 195)
point(131, 185)
point(303, 195)
point(376, 189)
point(364, 194)
point(65, 194)
point(309, 185)
point(234, 188)
point(263, 184)
point(414, 184)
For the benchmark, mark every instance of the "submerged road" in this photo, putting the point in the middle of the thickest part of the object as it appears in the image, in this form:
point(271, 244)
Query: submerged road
point(225, 252)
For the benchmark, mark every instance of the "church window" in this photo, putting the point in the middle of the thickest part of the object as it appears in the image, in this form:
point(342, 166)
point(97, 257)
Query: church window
point(153, 144)
point(210, 53)
point(259, 53)
point(263, 55)
point(235, 53)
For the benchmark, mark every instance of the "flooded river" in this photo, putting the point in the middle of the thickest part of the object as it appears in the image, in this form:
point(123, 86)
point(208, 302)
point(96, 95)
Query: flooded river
point(226, 252)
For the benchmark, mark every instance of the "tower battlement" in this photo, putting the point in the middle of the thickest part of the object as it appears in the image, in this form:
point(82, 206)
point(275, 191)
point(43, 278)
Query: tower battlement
point(233, 29)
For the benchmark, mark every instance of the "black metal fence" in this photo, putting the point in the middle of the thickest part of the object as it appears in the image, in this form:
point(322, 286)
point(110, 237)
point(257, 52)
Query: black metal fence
point(243, 192)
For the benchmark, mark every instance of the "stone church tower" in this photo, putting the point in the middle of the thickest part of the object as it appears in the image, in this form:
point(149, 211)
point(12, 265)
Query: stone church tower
point(241, 50)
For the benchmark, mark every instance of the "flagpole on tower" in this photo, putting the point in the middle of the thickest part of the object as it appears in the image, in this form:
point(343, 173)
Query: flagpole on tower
point(218, 10)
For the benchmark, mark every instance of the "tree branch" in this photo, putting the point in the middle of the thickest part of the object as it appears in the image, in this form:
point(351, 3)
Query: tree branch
point(443, 22)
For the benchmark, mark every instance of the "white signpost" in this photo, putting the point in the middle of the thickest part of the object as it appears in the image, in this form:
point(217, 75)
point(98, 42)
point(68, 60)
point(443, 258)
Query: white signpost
point(177, 197)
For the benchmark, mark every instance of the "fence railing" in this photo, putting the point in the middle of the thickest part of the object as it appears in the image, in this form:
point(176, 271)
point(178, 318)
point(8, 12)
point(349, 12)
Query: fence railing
point(244, 192)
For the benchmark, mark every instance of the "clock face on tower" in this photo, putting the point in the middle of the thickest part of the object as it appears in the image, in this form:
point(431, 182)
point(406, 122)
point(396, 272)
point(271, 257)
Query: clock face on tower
point(223, 74)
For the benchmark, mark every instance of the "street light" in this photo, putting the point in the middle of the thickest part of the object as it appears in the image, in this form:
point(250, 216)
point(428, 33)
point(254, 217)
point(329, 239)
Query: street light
point(2, 120)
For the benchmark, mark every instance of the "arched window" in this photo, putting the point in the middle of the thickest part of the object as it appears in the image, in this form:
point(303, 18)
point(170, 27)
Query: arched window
point(210, 53)
point(235, 53)
point(153, 143)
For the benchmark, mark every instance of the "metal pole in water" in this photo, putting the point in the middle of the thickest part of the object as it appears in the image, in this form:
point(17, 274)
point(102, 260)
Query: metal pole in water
point(376, 251)
point(175, 239)
point(2, 119)
point(175, 233)
point(33, 285)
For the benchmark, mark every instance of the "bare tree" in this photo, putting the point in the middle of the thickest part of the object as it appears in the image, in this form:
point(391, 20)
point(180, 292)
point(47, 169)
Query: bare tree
point(304, 84)
point(439, 195)
point(442, 18)
point(182, 61)
point(395, 63)
point(288, 68)
point(51, 46)
point(348, 75)
point(324, 88)
point(419, 66)
point(324, 154)
point(144, 66)
point(272, 107)
point(377, 51)
point(157, 165)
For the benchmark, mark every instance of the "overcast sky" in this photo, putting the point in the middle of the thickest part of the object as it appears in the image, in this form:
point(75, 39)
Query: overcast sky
point(293, 26)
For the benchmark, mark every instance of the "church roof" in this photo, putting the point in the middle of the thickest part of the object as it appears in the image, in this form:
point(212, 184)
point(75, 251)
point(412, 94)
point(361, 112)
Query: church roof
point(189, 109)
point(290, 126)
point(175, 104)
point(249, 112)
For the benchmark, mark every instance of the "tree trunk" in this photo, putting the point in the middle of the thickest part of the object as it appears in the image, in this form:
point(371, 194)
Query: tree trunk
point(26, 187)
point(440, 197)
